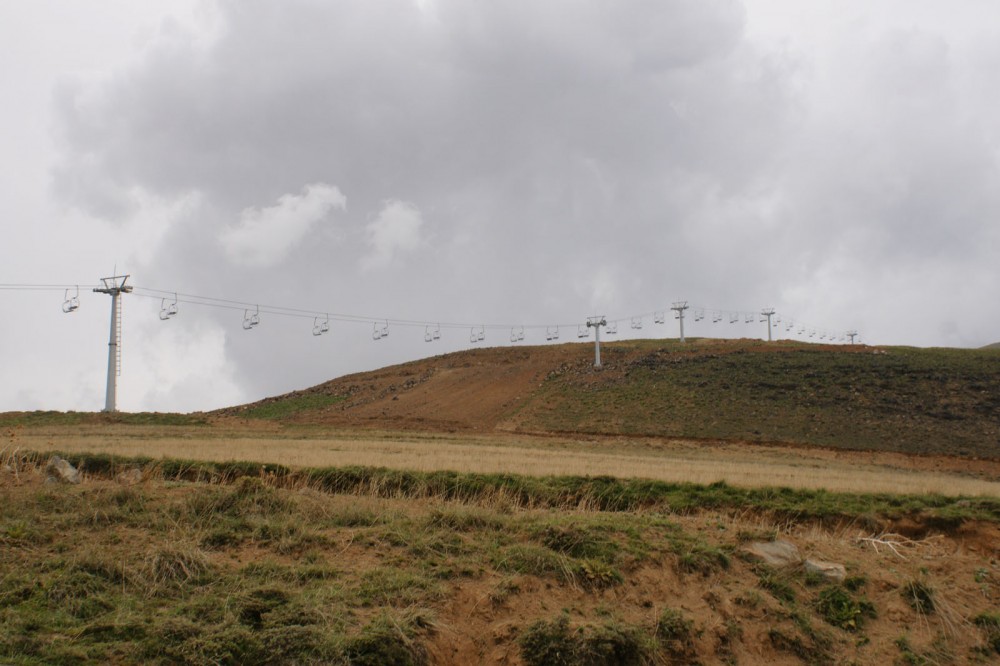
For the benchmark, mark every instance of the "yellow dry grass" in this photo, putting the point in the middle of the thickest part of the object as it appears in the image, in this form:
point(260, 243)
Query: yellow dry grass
point(676, 461)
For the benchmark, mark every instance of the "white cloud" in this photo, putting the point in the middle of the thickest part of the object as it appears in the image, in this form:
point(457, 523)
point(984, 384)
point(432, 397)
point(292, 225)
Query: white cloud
point(395, 231)
point(265, 237)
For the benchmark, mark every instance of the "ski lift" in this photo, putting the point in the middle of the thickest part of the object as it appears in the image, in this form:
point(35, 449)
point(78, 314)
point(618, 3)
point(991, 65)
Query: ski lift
point(432, 335)
point(321, 327)
point(551, 333)
point(716, 317)
point(482, 334)
point(611, 328)
point(748, 318)
point(379, 332)
point(71, 303)
point(659, 317)
point(699, 315)
point(168, 310)
point(636, 323)
point(734, 317)
point(582, 331)
point(516, 334)
point(477, 335)
point(251, 320)
point(802, 330)
point(789, 325)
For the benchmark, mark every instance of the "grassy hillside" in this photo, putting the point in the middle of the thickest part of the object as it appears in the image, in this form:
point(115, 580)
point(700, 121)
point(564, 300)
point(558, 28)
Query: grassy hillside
point(369, 566)
point(943, 401)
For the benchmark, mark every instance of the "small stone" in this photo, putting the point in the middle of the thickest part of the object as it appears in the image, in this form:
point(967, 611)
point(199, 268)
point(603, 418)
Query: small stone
point(775, 553)
point(831, 571)
point(62, 471)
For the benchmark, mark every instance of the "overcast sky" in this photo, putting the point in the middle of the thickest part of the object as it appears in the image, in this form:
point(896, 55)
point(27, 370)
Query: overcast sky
point(524, 163)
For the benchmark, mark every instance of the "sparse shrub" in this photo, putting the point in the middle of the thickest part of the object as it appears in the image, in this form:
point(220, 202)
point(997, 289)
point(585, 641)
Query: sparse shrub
point(675, 632)
point(855, 583)
point(249, 496)
point(790, 643)
point(387, 641)
point(465, 519)
point(582, 542)
point(777, 586)
point(533, 560)
point(839, 608)
point(182, 641)
point(920, 596)
point(175, 565)
point(989, 623)
point(554, 643)
point(703, 559)
point(255, 605)
point(598, 574)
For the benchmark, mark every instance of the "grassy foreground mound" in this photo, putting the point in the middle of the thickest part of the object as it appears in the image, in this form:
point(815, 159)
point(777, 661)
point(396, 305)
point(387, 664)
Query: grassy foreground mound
point(207, 563)
point(929, 401)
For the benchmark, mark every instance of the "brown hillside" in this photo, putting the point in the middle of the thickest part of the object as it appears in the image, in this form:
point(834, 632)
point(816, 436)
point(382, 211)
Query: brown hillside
point(940, 401)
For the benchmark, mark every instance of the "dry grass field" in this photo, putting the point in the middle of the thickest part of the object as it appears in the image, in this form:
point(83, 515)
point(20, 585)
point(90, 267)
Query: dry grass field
point(671, 460)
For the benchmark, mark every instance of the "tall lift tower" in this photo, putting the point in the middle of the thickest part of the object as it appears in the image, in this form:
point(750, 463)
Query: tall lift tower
point(114, 287)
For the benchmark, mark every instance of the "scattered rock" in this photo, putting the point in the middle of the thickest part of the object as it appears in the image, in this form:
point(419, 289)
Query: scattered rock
point(61, 471)
point(831, 571)
point(130, 476)
point(775, 553)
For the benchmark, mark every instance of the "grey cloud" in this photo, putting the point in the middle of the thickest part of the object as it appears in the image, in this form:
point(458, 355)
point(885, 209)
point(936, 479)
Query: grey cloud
point(566, 156)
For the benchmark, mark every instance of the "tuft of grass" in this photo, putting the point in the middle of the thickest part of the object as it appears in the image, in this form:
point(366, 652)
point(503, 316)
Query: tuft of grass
point(839, 608)
point(920, 596)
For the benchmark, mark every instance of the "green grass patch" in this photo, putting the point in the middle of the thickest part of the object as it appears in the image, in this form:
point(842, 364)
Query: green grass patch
point(275, 409)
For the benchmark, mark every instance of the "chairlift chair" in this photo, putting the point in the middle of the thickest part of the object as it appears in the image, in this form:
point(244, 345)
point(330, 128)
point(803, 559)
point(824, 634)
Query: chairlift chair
point(699, 315)
point(432, 335)
point(251, 320)
point(659, 318)
point(71, 303)
point(748, 318)
point(320, 327)
point(734, 317)
point(482, 334)
point(611, 328)
point(582, 331)
point(636, 323)
point(717, 317)
point(473, 335)
point(376, 331)
point(551, 333)
point(168, 310)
